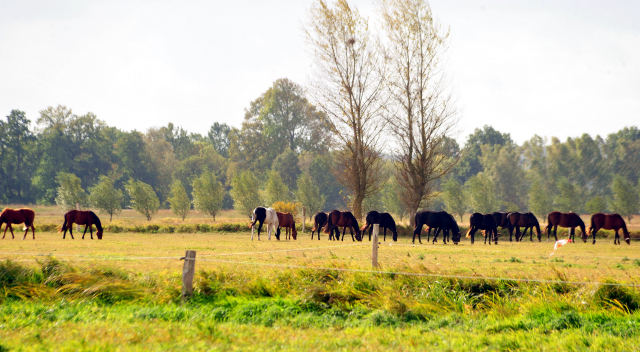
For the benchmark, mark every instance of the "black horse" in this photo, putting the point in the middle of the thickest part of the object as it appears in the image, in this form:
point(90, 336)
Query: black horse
point(526, 220)
point(484, 222)
point(438, 220)
point(385, 220)
point(319, 220)
point(502, 221)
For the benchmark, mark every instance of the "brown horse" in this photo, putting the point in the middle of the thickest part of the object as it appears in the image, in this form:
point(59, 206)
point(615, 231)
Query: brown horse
point(18, 216)
point(81, 217)
point(319, 220)
point(570, 220)
point(343, 219)
point(287, 221)
point(526, 220)
point(608, 222)
point(502, 220)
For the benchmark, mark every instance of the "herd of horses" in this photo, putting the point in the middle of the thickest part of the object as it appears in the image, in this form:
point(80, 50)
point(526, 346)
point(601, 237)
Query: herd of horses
point(441, 221)
point(438, 221)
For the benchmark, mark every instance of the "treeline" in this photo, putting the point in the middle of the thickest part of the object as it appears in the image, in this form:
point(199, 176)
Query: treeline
point(584, 174)
point(282, 153)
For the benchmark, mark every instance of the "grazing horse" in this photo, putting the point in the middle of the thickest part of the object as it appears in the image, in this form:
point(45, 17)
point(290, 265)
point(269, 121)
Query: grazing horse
point(438, 220)
point(81, 217)
point(502, 221)
point(570, 220)
point(608, 222)
point(385, 220)
point(287, 221)
point(18, 216)
point(319, 220)
point(526, 220)
point(343, 219)
point(484, 222)
point(267, 216)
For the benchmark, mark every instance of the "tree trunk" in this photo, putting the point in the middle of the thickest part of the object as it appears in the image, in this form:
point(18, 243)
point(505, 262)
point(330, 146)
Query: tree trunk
point(357, 207)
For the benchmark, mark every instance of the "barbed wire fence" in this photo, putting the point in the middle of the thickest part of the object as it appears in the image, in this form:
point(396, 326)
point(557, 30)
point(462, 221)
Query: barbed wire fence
point(190, 261)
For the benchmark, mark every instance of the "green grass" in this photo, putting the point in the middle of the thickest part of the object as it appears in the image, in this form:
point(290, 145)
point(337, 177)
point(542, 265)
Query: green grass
point(56, 305)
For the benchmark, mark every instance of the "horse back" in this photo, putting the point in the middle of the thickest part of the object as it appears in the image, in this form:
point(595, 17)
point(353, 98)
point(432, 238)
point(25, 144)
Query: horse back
point(271, 217)
point(386, 220)
point(347, 220)
point(608, 221)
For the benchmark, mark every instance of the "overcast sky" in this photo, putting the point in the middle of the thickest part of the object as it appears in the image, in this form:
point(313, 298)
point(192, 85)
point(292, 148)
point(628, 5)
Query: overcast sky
point(551, 68)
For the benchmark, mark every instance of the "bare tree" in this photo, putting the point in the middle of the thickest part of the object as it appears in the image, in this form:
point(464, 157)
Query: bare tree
point(421, 111)
point(348, 86)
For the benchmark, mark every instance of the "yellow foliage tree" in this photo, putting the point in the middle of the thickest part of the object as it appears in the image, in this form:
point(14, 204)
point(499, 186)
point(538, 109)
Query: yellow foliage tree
point(287, 207)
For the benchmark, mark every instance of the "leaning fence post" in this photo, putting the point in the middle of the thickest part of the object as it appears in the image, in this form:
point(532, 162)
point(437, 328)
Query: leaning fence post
point(374, 246)
point(188, 270)
point(304, 216)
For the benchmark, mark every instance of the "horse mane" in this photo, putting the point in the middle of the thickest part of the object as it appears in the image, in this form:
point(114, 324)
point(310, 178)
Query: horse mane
point(96, 220)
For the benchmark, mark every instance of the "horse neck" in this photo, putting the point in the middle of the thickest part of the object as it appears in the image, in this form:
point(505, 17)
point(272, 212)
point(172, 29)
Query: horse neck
point(96, 221)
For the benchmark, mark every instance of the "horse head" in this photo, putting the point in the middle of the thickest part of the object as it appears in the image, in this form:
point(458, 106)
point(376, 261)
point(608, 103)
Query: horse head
point(358, 234)
point(395, 235)
point(455, 236)
point(585, 235)
point(99, 233)
point(294, 233)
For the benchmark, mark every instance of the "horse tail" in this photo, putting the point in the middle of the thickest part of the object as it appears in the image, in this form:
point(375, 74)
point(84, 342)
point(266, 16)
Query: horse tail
point(329, 225)
point(469, 232)
point(254, 218)
point(64, 225)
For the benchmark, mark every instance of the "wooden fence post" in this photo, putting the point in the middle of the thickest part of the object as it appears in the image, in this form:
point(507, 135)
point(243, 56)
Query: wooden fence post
point(374, 246)
point(188, 270)
point(304, 216)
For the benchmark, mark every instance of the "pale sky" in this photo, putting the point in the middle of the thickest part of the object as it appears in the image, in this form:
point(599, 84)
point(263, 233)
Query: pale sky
point(553, 68)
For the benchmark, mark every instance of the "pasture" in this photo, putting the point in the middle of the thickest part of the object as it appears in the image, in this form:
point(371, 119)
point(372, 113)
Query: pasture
point(121, 294)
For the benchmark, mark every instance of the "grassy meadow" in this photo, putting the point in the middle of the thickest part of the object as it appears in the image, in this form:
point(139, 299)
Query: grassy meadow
point(122, 293)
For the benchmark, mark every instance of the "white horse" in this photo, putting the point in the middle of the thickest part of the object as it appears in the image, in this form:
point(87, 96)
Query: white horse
point(267, 216)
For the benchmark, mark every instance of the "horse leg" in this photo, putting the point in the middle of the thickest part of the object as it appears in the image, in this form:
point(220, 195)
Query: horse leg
point(85, 231)
point(26, 232)
point(384, 232)
point(11, 229)
point(616, 238)
point(344, 230)
point(370, 233)
point(435, 235)
point(91, 231)
point(594, 237)
point(71, 231)
point(572, 234)
point(5, 230)
point(351, 231)
point(555, 232)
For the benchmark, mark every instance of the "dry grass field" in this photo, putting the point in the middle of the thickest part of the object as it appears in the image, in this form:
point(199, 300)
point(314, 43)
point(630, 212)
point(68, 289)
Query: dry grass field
point(121, 293)
point(160, 252)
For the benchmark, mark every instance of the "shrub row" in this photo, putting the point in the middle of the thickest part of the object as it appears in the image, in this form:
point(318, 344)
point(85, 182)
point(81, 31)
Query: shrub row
point(155, 228)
